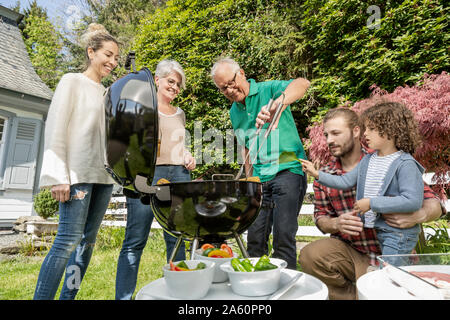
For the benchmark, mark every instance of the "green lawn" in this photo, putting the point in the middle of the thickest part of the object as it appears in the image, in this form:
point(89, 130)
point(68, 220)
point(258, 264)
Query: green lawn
point(18, 275)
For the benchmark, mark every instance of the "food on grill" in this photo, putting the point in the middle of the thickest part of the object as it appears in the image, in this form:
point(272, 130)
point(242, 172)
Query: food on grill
point(213, 252)
point(182, 266)
point(251, 179)
point(162, 181)
point(246, 265)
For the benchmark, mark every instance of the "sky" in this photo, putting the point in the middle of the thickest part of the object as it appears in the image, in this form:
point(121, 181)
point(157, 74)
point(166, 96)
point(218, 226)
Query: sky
point(63, 13)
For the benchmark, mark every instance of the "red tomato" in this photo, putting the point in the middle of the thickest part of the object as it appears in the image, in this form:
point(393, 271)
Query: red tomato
point(207, 246)
point(226, 248)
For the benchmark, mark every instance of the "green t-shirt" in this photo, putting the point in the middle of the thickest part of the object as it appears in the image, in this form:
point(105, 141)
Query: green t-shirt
point(284, 138)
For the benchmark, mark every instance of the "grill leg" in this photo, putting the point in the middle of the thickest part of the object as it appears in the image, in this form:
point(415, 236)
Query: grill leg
point(241, 245)
point(194, 246)
point(177, 246)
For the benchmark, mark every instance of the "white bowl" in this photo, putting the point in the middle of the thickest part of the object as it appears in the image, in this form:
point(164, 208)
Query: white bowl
point(254, 284)
point(219, 275)
point(189, 285)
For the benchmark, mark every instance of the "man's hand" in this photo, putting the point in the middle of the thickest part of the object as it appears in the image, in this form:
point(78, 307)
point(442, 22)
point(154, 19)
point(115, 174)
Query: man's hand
point(431, 210)
point(349, 223)
point(263, 117)
point(61, 192)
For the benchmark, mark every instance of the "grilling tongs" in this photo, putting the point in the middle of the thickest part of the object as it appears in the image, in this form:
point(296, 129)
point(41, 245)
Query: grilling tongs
point(269, 129)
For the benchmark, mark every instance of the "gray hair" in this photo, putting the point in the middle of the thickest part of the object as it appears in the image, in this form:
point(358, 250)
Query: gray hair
point(226, 60)
point(167, 66)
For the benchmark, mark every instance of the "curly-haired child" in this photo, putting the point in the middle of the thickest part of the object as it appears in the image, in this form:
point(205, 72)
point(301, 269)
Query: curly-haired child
point(388, 180)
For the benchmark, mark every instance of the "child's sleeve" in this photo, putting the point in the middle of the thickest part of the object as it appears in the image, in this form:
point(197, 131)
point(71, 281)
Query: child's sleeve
point(343, 182)
point(410, 196)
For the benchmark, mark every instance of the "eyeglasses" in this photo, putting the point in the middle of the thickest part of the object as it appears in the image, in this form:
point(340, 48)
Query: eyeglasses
point(231, 84)
point(172, 83)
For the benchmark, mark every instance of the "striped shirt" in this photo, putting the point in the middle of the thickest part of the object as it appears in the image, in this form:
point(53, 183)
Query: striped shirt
point(376, 173)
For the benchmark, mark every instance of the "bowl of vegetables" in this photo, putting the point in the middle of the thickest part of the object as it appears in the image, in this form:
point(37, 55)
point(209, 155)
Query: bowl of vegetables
point(188, 279)
point(254, 277)
point(218, 255)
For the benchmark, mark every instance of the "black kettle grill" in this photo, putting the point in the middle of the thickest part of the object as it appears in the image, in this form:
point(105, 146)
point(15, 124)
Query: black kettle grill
point(211, 211)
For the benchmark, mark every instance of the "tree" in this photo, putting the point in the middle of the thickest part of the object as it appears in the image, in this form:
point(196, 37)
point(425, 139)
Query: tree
point(195, 33)
point(429, 99)
point(43, 44)
point(349, 52)
point(119, 17)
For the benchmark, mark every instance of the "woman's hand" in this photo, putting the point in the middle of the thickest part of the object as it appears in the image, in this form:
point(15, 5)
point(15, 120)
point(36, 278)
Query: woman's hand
point(189, 161)
point(309, 168)
point(61, 192)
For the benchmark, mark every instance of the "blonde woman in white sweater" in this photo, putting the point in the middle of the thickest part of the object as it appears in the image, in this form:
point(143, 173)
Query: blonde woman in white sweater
point(73, 166)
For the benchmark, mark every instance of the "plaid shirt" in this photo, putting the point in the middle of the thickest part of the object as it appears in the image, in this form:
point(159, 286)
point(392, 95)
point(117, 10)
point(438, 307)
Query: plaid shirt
point(333, 203)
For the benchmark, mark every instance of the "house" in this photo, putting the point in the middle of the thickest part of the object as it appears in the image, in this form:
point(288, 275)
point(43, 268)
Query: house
point(24, 103)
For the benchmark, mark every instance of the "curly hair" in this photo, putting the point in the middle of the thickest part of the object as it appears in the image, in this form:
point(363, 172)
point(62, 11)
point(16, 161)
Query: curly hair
point(396, 122)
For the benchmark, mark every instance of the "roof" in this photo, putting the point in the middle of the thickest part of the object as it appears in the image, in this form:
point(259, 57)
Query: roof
point(17, 72)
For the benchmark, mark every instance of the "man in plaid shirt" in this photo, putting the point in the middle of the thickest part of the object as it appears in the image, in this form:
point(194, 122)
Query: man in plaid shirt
point(351, 249)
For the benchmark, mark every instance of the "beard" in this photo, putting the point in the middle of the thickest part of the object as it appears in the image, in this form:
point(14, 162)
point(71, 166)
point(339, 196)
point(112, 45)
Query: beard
point(341, 150)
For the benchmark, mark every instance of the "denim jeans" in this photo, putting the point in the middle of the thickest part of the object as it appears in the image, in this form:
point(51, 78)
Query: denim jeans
point(394, 242)
point(79, 221)
point(282, 200)
point(139, 221)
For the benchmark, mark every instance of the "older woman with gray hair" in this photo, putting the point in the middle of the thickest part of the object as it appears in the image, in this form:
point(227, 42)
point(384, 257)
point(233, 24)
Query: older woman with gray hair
point(173, 163)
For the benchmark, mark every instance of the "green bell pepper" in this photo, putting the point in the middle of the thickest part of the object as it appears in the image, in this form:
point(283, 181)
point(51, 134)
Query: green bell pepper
point(264, 264)
point(200, 265)
point(237, 265)
point(182, 264)
point(248, 265)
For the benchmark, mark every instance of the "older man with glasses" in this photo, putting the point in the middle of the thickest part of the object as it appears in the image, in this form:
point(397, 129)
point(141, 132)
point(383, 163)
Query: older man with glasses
point(284, 184)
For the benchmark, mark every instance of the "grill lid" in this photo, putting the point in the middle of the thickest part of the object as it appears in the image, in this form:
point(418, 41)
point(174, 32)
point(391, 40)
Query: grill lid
point(131, 122)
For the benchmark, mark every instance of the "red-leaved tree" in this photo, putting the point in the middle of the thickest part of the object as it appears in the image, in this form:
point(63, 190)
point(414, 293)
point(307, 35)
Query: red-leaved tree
point(429, 100)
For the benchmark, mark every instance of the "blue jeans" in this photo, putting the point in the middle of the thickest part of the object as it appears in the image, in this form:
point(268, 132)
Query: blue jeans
point(282, 200)
point(139, 221)
point(79, 221)
point(398, 242)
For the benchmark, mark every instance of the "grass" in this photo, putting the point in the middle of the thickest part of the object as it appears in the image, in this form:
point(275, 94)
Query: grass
point(18, 275)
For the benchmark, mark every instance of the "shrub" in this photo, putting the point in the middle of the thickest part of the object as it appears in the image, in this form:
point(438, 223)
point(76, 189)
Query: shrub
point(349, 55)
point(429, 100)
point(195, 33)
point(328, 42)
point(45, 205)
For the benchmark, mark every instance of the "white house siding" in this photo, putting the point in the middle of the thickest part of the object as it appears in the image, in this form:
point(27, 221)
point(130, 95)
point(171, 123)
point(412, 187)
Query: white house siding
point(24, 102)
point(14, 204)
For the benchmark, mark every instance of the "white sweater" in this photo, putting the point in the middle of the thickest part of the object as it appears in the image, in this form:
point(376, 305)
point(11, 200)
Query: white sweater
point(74, 150)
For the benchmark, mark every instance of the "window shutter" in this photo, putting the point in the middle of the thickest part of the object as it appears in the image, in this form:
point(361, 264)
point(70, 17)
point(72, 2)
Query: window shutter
point(21, 160)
